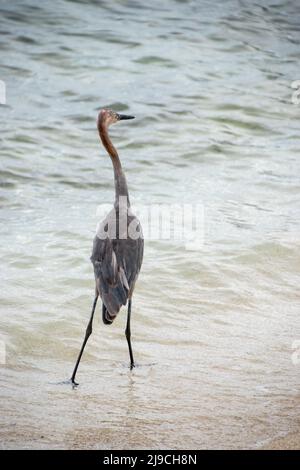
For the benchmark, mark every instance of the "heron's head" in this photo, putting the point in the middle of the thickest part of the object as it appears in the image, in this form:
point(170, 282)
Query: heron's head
point(108, 117)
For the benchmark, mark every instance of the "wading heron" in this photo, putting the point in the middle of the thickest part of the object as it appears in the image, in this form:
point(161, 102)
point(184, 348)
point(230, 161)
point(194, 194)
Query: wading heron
point(118, 246)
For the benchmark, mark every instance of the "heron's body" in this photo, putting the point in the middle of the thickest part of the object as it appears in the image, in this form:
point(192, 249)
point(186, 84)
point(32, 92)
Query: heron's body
point(118, 246)
point(117, 262)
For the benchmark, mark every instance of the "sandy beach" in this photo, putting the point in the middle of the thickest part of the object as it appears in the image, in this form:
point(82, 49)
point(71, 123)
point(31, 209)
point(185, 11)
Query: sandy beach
point(289, 442)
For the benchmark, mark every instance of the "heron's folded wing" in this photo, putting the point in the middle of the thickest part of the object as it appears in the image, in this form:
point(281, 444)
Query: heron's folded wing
point(109, 274)
point(105, 261)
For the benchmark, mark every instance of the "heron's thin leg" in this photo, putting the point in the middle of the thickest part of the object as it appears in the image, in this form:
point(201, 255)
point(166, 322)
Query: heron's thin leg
point(88, 332)
point(128, 335)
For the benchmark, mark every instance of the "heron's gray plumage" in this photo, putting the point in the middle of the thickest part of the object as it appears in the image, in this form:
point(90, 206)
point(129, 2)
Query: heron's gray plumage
point(117, 262)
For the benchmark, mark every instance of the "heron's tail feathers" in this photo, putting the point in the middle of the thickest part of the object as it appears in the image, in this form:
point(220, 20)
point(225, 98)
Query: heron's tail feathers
point(112, 302)
point(106, 316)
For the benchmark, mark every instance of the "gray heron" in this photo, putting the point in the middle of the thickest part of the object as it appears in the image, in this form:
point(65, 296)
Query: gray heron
point(118, 246)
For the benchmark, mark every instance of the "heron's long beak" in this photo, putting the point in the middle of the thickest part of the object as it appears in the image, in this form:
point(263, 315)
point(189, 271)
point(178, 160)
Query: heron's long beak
point(124, 116)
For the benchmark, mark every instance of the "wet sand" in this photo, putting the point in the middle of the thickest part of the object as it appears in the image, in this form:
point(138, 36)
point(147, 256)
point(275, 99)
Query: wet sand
point(289, 442)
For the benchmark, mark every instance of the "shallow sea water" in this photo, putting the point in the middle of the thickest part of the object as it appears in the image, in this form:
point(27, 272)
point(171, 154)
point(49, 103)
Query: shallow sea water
point(213, 330)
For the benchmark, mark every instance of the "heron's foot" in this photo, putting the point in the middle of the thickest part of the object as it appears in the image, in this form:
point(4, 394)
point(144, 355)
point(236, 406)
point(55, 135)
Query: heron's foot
point(74, 384)
point(132, 365)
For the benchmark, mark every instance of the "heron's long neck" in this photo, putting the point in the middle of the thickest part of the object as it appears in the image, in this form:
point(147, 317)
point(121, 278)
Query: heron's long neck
point(121, 188)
